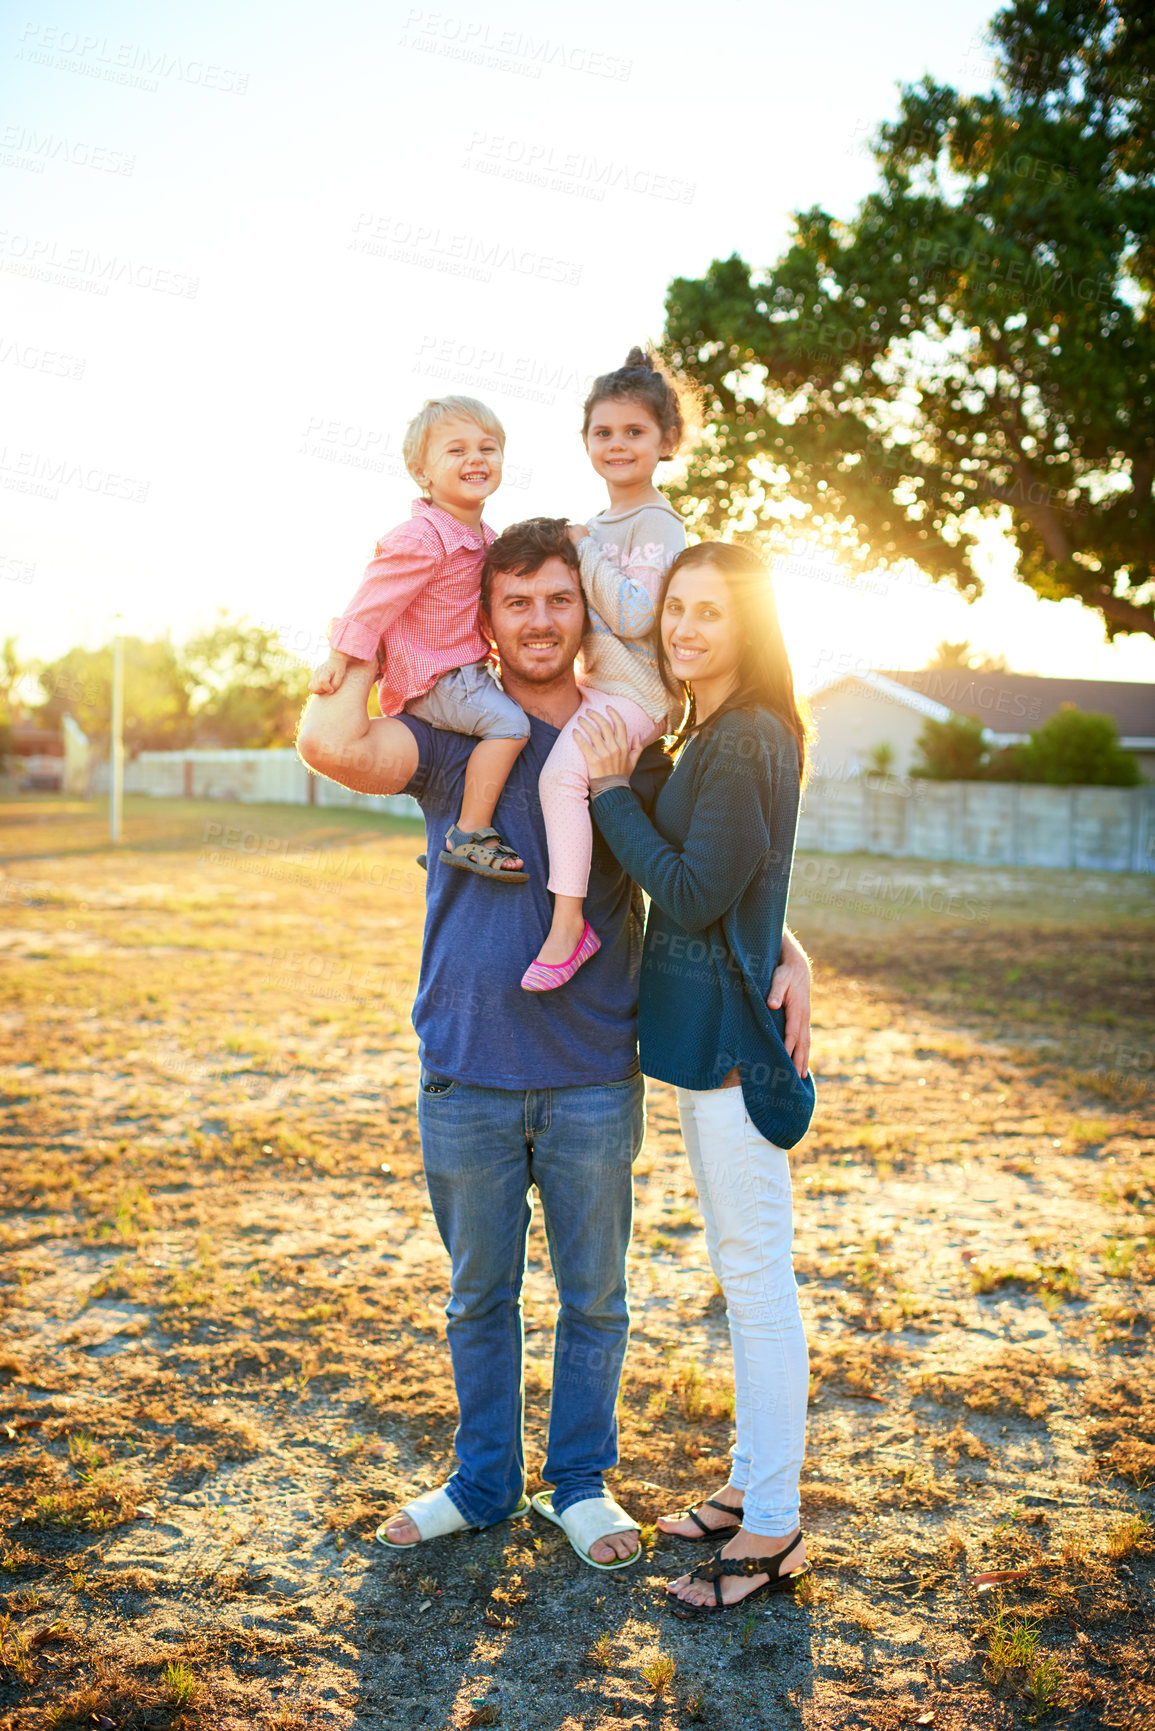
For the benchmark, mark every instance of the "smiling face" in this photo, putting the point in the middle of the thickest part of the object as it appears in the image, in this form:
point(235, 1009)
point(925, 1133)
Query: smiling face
point(537, 622)
point(624, 441)
point(460, 466)
point(702, 633)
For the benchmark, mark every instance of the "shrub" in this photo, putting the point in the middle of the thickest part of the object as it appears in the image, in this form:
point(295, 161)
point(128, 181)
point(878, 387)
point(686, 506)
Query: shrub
point(1078, 748)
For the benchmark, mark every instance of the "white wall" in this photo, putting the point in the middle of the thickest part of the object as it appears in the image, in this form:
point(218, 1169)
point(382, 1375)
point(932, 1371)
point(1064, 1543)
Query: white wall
point(251, 777)
point(981, 823)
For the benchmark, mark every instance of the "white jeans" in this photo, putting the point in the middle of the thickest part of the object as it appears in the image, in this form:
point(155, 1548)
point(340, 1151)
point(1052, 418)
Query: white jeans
point(743, 1184)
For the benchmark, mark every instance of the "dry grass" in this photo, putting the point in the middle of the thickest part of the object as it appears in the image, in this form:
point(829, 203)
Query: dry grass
point(222, 1301)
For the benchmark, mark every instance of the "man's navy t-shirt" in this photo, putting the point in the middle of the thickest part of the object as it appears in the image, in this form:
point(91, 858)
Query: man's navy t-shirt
point(474, 1022)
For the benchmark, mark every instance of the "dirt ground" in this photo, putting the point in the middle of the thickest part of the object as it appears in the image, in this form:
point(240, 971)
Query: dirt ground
point(222, 1352)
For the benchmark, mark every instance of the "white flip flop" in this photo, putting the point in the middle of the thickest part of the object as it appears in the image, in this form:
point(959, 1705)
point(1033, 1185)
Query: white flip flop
point(586, 1522)
point(434, 1514)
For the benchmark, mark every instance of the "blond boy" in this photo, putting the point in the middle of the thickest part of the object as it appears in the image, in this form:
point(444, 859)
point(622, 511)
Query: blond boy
point(416, 615)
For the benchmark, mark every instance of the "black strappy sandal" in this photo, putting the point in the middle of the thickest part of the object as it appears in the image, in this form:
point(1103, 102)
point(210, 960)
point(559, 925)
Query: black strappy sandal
point(718, 1566)
point(724, 1531)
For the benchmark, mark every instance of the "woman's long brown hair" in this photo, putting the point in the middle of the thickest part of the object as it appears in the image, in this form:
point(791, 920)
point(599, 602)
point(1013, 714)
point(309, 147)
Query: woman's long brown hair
point(764, 677)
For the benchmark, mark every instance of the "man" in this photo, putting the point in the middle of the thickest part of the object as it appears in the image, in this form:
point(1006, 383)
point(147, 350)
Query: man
point(521, 1089)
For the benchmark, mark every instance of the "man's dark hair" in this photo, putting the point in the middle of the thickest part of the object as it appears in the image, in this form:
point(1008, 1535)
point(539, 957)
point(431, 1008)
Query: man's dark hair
point(523, 548)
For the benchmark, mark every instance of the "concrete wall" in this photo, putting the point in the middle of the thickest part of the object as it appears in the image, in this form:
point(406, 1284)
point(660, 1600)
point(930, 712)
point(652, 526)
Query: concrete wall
point(983, 823)
point(250, 777)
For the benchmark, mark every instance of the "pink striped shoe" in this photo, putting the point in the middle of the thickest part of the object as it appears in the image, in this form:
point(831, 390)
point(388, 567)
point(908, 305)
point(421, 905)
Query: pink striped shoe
point(547, 976)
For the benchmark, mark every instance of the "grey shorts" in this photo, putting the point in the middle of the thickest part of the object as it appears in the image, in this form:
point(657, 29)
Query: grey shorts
point(469, 700)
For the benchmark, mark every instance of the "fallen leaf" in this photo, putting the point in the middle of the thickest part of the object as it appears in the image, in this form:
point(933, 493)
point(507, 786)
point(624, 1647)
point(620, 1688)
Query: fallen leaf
point(149, 1510)
point(925, 1719)
point(993, 1576)
point(14, 1426)
point(52, 1633)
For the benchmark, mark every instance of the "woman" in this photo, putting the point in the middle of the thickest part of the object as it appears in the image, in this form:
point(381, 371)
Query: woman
point(715, 862)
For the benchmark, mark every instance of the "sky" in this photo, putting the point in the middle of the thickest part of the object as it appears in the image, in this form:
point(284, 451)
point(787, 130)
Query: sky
point(240, 246)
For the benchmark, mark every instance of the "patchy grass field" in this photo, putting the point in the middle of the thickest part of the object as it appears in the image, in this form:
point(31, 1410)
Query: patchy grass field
point(223, 1347)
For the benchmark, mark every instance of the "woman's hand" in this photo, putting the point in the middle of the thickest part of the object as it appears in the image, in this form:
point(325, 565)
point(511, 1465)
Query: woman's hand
point(577, 532)
point(605, 744)
point(790, 991)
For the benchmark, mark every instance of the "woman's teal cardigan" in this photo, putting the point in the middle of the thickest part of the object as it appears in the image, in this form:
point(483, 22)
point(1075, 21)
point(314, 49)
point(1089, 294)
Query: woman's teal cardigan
point(715, 862)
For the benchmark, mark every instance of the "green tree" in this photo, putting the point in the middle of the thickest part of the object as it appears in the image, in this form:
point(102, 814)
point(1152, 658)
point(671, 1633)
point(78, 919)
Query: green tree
point(230, 686)
point(11, 673)
point(156, 698)
point(976, 342)
point(1077, 748)
point(951, 750)
point(244, 689)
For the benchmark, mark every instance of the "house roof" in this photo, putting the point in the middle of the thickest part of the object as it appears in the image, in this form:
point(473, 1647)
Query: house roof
point(1011, 705)
point(28, 740)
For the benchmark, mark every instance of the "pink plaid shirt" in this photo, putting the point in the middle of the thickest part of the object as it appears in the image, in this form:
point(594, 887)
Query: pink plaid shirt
point(418, 599)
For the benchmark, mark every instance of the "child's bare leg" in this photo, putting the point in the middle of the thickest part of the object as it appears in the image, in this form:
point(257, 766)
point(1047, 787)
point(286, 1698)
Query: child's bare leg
point(486, 774)
point(565, 933)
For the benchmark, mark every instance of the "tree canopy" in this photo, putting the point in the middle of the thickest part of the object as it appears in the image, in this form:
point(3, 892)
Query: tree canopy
point(231, 686)
point(977, 340)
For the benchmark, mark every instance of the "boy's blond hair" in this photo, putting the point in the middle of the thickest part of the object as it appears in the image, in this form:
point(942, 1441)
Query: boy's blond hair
point(439, 409)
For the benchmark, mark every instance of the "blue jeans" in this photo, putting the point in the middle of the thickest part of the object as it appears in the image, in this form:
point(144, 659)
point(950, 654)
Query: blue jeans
point(484, 1148)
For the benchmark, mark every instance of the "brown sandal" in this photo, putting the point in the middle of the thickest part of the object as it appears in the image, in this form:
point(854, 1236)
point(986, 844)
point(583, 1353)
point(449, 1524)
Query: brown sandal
point(480, 851)
point(719, 1566)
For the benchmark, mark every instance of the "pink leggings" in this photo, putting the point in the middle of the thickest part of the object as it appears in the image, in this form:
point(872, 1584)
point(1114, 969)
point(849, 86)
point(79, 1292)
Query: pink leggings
point(564, 786)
